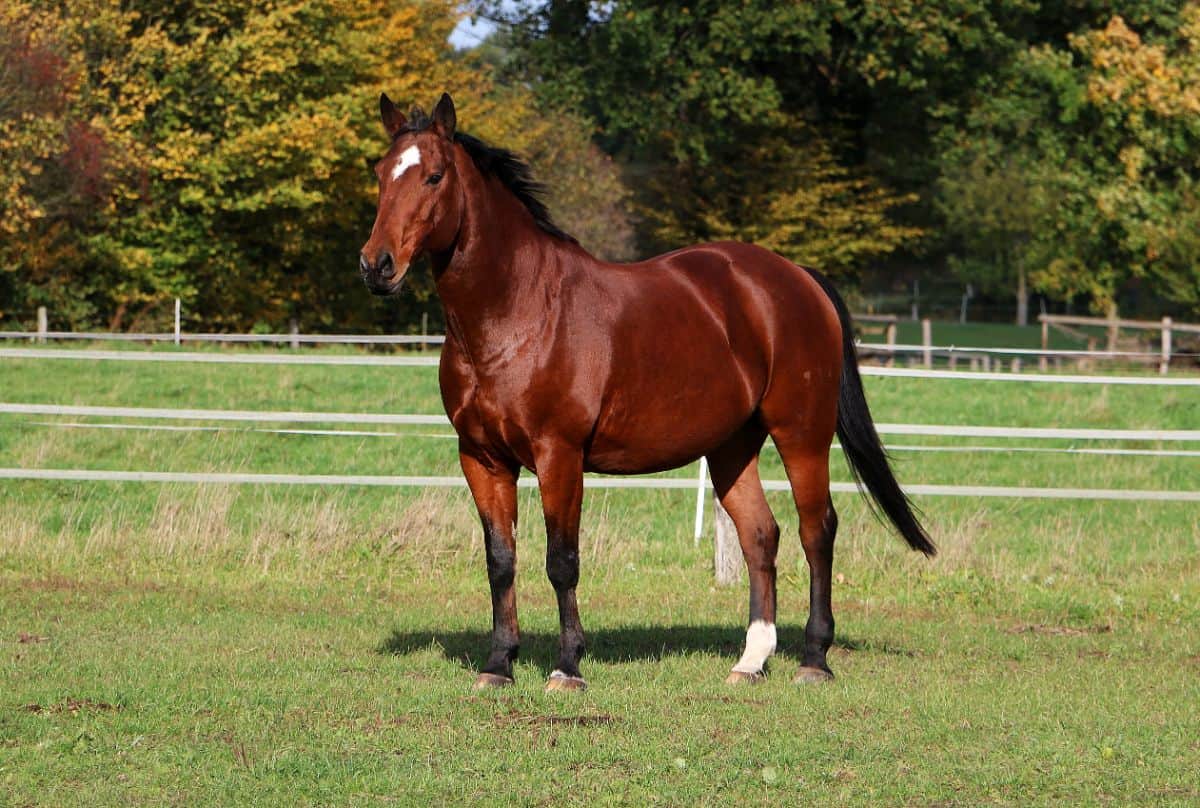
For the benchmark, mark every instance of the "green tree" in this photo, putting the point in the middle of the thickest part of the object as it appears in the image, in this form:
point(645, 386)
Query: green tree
point(216, 151)
point(1103, 141)
point(726, 111)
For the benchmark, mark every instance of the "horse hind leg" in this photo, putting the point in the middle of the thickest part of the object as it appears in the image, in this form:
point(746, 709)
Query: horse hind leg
point(808, 473)
point(734, 469)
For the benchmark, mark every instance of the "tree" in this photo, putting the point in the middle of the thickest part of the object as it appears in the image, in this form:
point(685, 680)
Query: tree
point(216, 151)
point(1098, 148)
point(708, 103)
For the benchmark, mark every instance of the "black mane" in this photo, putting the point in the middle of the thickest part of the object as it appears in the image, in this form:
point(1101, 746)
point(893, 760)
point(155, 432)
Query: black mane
point(502, 164)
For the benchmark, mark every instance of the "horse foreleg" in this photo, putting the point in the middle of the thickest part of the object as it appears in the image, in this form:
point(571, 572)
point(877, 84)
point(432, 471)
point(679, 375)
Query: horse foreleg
point(494, 488)
point(560, 479)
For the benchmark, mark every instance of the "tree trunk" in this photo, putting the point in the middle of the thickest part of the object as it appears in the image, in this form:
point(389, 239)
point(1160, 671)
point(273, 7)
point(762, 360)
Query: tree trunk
point(1022, 296)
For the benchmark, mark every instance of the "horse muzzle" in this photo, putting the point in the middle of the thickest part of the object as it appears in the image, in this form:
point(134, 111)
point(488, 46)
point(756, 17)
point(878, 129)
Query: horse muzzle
point(383, 277)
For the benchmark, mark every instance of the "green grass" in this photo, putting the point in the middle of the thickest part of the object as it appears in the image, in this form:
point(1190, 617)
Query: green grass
point(315, 646)
point(1000, 335)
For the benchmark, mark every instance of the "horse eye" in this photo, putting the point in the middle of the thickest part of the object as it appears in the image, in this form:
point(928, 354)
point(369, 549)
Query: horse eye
point(434, 179)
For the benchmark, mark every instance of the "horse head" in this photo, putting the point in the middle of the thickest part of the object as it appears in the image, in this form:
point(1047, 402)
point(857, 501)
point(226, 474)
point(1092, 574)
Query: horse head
point(420, 202)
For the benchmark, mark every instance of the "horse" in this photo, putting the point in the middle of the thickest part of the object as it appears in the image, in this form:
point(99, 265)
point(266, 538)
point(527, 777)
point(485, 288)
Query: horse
point(561, 364)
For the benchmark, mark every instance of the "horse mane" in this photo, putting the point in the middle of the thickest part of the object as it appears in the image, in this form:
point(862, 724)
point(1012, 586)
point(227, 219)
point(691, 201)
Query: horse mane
point(513, 172)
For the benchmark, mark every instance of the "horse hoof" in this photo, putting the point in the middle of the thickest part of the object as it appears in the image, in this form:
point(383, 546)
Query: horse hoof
point(743, 678)
point(812, 676)
point(561, 681)
point(488, 681)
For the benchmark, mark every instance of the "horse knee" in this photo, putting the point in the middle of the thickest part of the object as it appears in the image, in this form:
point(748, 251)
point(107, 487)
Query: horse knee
point(562, 567)
point(501, 561)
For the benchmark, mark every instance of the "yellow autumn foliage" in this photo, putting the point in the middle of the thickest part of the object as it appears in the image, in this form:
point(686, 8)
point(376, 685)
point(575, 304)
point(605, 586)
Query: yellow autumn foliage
point(216, 151)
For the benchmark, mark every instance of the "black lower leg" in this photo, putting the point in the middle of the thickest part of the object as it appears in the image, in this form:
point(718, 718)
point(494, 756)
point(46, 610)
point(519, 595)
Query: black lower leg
point(562, 568)
point(760, 555)
point(818, 633)
point(502, 568)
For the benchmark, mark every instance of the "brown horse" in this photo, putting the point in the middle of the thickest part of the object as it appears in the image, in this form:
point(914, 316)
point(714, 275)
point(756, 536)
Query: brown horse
point(562, 364)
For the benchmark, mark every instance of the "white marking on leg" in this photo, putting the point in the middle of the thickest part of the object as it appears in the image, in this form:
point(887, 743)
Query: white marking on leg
point(760, 644)
point(408, 158)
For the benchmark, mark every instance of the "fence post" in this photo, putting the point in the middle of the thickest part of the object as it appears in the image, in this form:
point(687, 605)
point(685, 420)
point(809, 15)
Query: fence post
point(701, 487)
point(927, 341)
point(1042, 360)
point(294, 330)
point(891, 341)
point(177, 329)
point(42, 324)
point(1165, 364)
point(727, 550)
point(424, 331)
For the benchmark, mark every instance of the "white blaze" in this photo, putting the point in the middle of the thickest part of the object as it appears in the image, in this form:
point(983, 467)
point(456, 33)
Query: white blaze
point(760, 644)
point(408, 158)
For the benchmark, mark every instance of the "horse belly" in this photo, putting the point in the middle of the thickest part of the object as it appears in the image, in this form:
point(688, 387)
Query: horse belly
point(668, 419)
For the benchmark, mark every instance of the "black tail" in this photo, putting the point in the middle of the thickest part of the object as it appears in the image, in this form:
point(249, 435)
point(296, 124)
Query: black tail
point(860, 443)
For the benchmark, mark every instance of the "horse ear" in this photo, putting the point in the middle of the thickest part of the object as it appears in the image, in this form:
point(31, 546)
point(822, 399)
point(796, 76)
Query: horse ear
point(393, 119)
point(444, 119)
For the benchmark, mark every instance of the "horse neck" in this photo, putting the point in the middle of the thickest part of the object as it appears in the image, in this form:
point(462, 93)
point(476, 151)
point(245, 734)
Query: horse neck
point(501, 280)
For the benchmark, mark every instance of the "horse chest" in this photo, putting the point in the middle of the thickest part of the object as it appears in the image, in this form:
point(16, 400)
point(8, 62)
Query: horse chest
point(488, 416)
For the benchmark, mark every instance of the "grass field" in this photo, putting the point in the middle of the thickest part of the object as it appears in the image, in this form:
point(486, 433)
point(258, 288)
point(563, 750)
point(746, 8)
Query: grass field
point(316, 645)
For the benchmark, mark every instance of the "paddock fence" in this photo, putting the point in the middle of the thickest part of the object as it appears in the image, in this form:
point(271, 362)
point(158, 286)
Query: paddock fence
point(725, 547)
point(925, 354)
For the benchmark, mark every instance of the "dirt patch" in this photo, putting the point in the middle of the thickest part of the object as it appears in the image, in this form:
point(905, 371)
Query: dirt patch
point(52, 583)
point(73, 706)
point(538, 720)
point(27, 639)
point(61, 583)
point(1058, 631)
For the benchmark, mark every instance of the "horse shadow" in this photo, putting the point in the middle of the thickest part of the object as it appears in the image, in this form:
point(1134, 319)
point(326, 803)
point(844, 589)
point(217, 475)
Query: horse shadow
point(615, 645)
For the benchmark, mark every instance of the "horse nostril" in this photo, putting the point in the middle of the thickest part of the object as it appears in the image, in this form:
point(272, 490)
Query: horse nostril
point(386, 265)
point(364, 266)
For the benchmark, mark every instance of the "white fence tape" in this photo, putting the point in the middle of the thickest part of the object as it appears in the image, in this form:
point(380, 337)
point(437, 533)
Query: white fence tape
point(336, 433)
point(965, 431)
point(275, 339)
point(946, 430)
point(438, 339)
point(359, 433)
point(1051, 378)
point(225, 415)
point(216, 358)
point(1074, 353)
point(219, 358)
point(95, 475)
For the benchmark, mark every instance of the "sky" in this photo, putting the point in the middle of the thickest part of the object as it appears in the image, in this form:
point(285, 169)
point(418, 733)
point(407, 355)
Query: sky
point(468, 34)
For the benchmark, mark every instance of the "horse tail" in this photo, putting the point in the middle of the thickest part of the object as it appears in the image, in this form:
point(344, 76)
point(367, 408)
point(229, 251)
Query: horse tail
point(860, 442)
